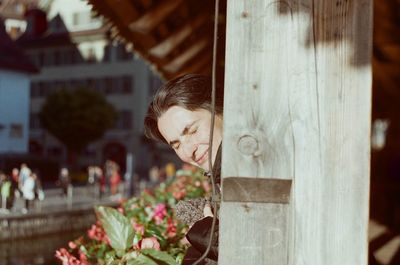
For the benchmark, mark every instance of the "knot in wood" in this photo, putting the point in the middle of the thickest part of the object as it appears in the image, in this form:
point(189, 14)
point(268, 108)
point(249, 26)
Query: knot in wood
point(248, 145)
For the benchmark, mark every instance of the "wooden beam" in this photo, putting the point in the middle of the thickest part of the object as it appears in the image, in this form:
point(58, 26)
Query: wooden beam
point(204, 61)
point(153, 17)
point(166, 46)
point(177, 63)
point(124, 10)
point(297, 107)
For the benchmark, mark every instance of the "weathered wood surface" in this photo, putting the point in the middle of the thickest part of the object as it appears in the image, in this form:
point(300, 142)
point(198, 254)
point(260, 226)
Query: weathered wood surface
point(297, 106)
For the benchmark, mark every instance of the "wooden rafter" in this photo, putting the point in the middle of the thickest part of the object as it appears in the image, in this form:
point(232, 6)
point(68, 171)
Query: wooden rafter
point(198, 65)
point(179, 61)
point(153, 17)
point(175, 39)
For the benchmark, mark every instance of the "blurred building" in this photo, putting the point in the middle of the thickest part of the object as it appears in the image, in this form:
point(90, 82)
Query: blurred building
point(73, 48)
point(15, 72)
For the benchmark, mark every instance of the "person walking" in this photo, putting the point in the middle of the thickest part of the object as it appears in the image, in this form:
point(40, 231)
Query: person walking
point(64, 181)
point(5, 191)
point(28, 192)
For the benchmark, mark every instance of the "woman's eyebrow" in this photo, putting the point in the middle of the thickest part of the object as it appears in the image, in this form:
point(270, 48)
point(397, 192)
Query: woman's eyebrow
point(184, 132)
point(187, 128)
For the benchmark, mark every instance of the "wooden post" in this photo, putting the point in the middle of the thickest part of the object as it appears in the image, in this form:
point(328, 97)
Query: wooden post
point(297, 107)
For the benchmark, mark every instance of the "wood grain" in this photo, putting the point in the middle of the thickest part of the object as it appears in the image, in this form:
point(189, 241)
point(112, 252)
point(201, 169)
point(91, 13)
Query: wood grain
point(297, 82)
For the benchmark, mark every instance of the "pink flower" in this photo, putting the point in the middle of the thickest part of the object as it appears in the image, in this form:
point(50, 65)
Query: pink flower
point(72, 245)
point(160, 212)
point(139, 228)
point(150, 242)
point(66, 257)
point(96, 232)
point(121, 210)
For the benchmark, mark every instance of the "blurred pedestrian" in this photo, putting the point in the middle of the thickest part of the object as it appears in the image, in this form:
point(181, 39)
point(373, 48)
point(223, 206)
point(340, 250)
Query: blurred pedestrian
point(115, 180)
point(100, 180)
point(24, 173)
point(39, 193)
point(5, 191)
point(64, 180)
point(28, 192)
point(15, 182)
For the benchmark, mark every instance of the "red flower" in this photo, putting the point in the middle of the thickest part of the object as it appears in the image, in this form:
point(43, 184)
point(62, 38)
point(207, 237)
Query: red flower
point(171, 228)
point(178, 194)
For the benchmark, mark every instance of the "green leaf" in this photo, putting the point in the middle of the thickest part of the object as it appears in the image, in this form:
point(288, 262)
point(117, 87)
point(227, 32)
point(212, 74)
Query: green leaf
point(159, 255)
point(118, 228)
point(142, 260)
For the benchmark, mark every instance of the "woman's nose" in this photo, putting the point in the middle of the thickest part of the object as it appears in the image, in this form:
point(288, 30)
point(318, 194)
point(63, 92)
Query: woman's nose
point(189, 150)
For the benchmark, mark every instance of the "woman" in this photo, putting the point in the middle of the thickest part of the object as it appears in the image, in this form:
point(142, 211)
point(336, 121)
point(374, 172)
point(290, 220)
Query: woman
point(180, 115)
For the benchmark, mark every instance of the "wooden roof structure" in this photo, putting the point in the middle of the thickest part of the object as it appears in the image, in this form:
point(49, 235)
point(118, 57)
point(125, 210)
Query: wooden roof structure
point(174, 36)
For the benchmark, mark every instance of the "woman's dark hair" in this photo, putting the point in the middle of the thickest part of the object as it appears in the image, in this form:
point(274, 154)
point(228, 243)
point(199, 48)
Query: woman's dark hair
point(191, 91)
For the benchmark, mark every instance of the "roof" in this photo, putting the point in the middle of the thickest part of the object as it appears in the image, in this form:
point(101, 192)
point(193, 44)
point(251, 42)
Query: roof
point(173, 36)
point(42, 33)
point(11, 56)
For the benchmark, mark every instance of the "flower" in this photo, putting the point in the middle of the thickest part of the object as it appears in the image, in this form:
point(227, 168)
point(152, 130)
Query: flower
point(152, 217)
point(150, 242)
point(179, 194)
point(171, 228)
point(96, 232)
point(139, 228)
point(160, 211)
point(66, 258)
point(72, 245)
point(83, 258)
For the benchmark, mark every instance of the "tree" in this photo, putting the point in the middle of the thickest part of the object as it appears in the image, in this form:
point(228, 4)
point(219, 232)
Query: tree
point(77, 117)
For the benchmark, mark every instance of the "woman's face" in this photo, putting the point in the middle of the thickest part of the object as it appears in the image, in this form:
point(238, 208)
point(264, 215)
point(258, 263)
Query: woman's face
point(188, 133)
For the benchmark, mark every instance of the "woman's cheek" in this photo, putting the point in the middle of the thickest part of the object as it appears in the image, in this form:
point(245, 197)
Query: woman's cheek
point(182, 157)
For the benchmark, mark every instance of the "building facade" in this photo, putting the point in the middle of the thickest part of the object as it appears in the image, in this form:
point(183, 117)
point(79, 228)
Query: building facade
point(15, 74)
point(72, 48)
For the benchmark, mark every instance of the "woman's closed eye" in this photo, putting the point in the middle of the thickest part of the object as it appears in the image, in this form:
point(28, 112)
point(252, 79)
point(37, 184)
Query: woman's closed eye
point(193, 130)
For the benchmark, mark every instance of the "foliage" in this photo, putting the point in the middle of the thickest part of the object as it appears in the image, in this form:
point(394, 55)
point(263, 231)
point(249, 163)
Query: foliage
point(77, 117)
point(142, 230)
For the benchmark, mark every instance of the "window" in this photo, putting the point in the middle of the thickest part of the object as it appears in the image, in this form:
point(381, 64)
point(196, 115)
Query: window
point(16, 130)
point(82, 18)
point(34, 121)
point(124, 121)
point(42, 59)
point(122, 54)
point(43, 89)
point(127, 84)
point(34, 90)
point(108, 85)
point(54, 151)
point(107, 53)
point(57, 58)
point(155, 83)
